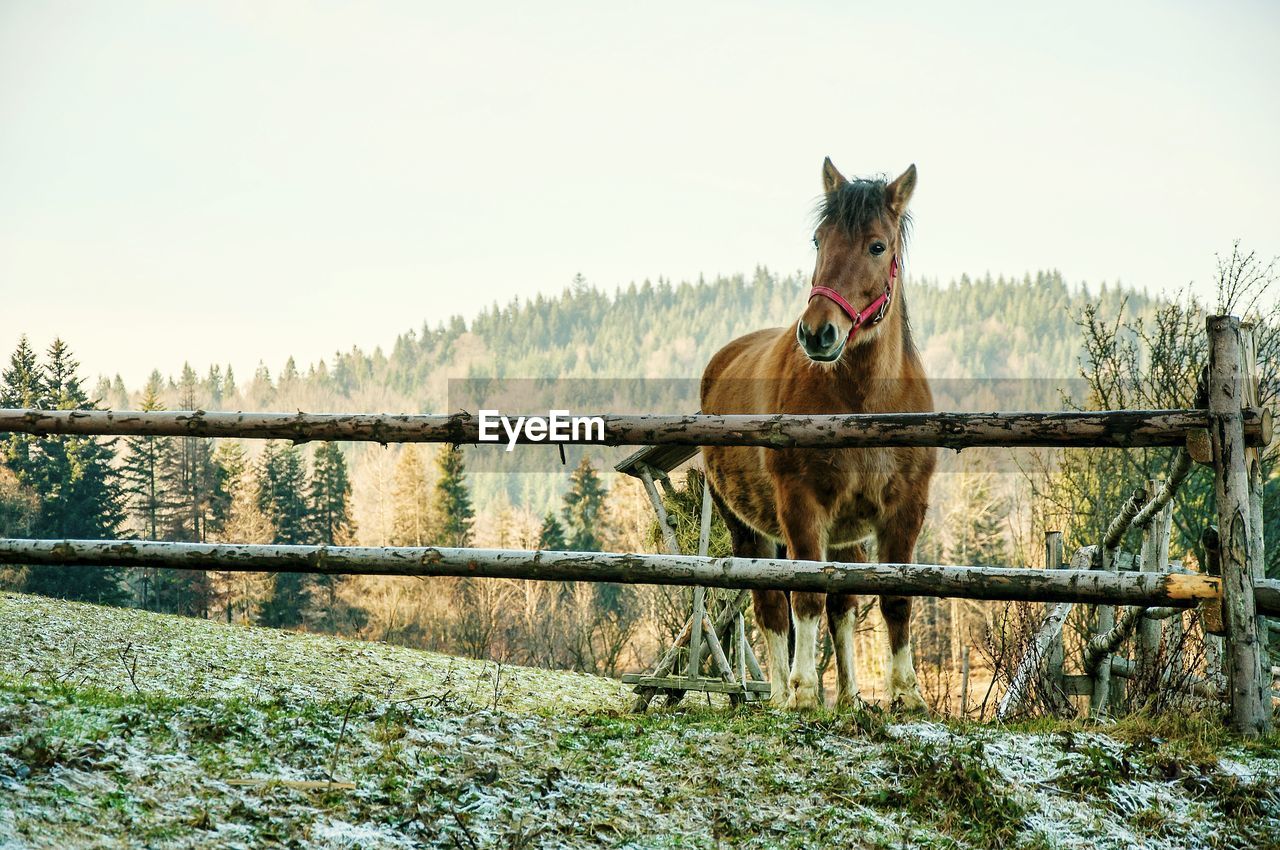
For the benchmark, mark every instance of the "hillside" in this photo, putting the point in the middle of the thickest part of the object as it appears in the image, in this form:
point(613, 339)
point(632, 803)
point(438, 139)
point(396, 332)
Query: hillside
point(120, 728)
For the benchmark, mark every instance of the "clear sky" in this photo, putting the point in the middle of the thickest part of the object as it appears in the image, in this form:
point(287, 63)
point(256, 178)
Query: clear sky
point(242, 181)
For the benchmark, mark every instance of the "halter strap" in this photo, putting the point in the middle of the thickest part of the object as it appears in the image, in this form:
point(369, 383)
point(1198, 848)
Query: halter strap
point(873, 312)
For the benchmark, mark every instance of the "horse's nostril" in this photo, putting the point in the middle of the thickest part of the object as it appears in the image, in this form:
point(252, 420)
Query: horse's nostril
point(819, 341)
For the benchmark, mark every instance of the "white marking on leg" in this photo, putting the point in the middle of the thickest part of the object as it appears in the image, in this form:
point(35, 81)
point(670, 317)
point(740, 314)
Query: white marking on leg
point(805, 689)
point(846, 659)
point(776, 644)
point(903, 687)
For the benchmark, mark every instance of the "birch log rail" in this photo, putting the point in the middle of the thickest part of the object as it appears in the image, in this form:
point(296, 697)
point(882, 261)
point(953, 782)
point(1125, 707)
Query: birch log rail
point(1107, 428)
point(1008, 583)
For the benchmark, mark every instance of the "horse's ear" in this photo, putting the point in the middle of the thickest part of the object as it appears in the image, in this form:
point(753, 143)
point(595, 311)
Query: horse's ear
point(832, 179)
point(898, 193)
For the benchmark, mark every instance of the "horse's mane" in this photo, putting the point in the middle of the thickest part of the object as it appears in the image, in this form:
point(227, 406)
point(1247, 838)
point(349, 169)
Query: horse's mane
point(853, 206)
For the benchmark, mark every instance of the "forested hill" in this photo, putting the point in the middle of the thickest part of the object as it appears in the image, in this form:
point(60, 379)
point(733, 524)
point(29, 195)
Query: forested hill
point(983, 328)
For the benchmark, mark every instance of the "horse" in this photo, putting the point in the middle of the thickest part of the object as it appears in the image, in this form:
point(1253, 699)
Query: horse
point(850, 351)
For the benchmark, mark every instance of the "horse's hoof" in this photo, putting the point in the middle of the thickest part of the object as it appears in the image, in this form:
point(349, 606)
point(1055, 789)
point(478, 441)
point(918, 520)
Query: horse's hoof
point(851, 702)
point(778, 698)
point(910, 702)
point(804, 696)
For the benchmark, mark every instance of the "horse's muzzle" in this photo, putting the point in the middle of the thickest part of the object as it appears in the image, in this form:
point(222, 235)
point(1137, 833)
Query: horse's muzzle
point(823, 344)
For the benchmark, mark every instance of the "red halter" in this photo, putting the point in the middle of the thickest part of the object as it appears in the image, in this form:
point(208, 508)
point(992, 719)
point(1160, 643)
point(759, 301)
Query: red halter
point(874, 311)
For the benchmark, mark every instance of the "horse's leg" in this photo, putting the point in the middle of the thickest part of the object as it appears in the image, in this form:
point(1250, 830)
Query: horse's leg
point(773, 611)
point(897, 545)
point(774, 621)
point(842, 622)
point(801, 518)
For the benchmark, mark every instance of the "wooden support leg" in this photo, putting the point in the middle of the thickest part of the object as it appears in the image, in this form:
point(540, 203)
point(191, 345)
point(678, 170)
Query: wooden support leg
point(703, 637)
point(740, 643)
point(700, 593)
point(695, 637)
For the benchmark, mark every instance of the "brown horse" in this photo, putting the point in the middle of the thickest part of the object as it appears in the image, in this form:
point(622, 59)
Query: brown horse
point(850, 351)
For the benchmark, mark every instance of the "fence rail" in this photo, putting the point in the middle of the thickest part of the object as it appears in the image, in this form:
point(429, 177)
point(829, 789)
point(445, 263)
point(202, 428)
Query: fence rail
point(1000, 583)
point(1106, 428)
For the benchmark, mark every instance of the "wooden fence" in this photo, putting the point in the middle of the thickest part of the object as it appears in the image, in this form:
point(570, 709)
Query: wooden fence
point(1228, 434)
point(1009, 583)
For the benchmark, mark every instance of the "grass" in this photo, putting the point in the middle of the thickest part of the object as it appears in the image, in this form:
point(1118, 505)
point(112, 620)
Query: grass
point(953, 786)
point(87, 757)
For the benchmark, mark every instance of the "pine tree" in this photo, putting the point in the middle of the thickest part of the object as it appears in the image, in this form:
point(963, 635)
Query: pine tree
point(102, 392)
point(229, 388)
point(143, 492)
point(240, 520)
point(213, 387)
point(232, 463)
point(452, 513)
point(22, 382)
point(330, 497)
point(192, 485)
point(282, 488)
point(551, 536)
point(21, 386)
point(585, 526)
point(261, 392)
point(140, 471)
point(411, 501)
point(89, 502)
point(70, 478)
point(331, 524)
point(189, 473)
point(119, 397)
point(584, 509)
point(289, 379)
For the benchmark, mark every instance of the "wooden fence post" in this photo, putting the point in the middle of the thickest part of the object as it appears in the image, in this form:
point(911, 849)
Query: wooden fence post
point(1054, 680)
point(1249, 690)
point(1174, 637)
point(1155, 559)
point(1253, 458)
point(693, 631)
point(1211, 613)
point(1104, 622)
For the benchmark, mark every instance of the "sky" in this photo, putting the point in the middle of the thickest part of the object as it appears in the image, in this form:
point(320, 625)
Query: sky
point(235, 182)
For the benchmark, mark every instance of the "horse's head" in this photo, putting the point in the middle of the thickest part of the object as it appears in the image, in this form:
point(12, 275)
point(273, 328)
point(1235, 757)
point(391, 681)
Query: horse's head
point(861, 234)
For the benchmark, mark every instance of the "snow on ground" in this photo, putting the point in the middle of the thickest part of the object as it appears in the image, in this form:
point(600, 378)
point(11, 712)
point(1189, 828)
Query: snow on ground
point(120, 728)
point(116, 648)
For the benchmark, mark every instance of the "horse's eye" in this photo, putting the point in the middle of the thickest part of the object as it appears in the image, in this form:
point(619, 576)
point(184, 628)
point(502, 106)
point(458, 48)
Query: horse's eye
point(877, 248)
point(815, 241)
